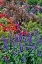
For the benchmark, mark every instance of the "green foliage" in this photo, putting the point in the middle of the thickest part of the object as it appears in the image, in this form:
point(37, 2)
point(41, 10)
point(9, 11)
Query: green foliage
point(30, 55)
point(40, 2)
point(32, 2)
point(31, 26)
point(1, 33)
point(0, 10)
point(6, 34)
point(3, 20)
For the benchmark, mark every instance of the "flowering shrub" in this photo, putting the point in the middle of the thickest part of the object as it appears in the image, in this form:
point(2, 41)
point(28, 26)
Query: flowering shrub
point(20, 33)
point(41, 2)
point(18, 49)
point(7, 25)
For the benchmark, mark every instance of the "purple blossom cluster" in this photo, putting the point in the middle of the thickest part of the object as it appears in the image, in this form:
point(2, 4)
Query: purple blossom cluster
point(20, 43)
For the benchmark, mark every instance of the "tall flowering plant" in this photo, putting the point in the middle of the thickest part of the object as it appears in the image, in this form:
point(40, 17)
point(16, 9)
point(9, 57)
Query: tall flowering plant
point(20, 48)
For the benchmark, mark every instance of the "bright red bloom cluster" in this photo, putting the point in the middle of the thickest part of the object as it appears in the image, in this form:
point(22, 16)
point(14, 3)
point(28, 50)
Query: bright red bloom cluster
point(3, 15)
point(24, 32)
point(11, 26)
point(1, 24)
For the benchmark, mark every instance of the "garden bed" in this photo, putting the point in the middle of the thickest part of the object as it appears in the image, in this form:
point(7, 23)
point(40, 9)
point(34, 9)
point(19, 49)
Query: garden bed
point(20, 32)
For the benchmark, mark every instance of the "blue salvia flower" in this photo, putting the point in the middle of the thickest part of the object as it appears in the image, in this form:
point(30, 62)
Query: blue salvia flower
point(23, 59)
point(33, 47)
point(16, 38)
point(19, 52)
point(36, 33)
point(25, 39)
point(11, 38)
point(11, 43)
point(21, 47)
point(38, 41)
point(38, 53)
point(36, 44)
point(14, 53)
point(30, 38)
point(5, 42)
point(28, 47)
point(20, 37)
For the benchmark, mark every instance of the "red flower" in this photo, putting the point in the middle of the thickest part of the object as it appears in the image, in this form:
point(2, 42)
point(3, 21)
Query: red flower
point(22, 32)
point(1, 2)
point(11, 28)
point(5, 29)
point(1, 25)
point(3, 15)
point(26, 33)
point(16, 28)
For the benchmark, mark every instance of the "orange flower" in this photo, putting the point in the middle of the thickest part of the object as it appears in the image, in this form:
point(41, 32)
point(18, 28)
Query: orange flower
point(10, 20)
point(9, 25)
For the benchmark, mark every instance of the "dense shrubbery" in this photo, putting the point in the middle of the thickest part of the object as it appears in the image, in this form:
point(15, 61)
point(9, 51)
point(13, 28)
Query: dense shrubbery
point(20, 34)
point(20, 48)
point(32, 2)
point(31, 26)
point(40, 2)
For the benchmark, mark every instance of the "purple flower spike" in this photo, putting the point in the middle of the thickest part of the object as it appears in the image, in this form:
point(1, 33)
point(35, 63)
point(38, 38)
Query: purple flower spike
point(21, 48)
point(16, 38)
point(30, 38)
point(5, 42)
point(23, 59)
point(36, 33)
point(28, 47)
point(38, 54)
point(13, 53)
point(33, 47)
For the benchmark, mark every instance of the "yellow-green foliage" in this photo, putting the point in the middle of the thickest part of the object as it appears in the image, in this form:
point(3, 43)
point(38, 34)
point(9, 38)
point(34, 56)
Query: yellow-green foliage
point(31, 26)
point(3, 20)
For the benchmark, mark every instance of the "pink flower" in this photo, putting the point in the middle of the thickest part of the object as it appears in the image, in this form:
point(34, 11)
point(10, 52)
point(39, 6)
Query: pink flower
point(1, 2)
